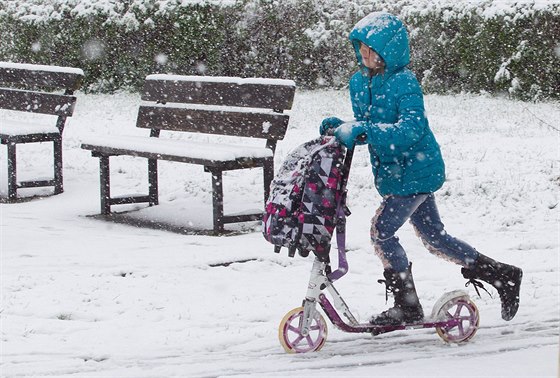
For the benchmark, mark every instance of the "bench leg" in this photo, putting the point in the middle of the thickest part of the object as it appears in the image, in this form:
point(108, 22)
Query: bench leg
point(12, 175)
point(268, 174)
point(57, 149)
point(105, 184)
point(153, 181)
point(217, 200)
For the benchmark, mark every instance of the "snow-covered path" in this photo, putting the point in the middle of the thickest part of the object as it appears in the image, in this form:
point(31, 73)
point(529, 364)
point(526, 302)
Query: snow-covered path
point(85, 297)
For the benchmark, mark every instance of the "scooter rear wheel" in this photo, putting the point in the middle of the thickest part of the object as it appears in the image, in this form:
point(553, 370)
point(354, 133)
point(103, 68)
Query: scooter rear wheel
point(463, 310)
point(291, 339)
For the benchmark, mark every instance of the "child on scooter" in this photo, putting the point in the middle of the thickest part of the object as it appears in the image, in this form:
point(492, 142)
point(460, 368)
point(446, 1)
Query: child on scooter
point(408, 168)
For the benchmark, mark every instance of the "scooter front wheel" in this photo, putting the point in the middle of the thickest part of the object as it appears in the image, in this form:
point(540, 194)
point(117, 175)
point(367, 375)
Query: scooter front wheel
point(291, 338)
point(463, 316)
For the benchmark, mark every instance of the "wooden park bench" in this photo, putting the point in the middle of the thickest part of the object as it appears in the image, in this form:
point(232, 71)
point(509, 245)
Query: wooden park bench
point(45, 90)
point(245, 108)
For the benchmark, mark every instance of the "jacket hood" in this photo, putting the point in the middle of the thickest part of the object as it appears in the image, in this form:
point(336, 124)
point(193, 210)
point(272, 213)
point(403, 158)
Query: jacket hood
point(387, 35)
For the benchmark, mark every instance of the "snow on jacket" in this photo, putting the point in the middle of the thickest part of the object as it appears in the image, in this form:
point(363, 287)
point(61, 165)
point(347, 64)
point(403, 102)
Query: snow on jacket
point(405, 156)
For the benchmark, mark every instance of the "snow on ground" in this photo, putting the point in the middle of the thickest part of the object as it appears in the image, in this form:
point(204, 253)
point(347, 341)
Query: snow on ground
point(90, 298)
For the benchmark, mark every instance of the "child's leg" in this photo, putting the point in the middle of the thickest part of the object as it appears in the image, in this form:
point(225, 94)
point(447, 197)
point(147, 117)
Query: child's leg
point(391, 215)
point(430, 229)
point(505, 278)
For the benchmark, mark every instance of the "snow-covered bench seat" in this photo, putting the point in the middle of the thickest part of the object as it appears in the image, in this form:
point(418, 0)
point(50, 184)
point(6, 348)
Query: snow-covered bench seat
point(47, 92)
point(243, 108)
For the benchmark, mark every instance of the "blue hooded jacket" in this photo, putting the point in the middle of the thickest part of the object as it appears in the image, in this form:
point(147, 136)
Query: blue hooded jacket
point(405, 156)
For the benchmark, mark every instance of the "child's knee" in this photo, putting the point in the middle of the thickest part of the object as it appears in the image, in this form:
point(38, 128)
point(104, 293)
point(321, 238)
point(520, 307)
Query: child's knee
point(381, 230)
point(380, 236)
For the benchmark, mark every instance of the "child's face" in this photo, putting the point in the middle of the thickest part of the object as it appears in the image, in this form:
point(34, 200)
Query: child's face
point(371, 59)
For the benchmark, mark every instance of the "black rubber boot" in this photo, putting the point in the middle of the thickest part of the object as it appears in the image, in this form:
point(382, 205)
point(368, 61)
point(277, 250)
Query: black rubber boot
point(505, 278)
point(407, 308)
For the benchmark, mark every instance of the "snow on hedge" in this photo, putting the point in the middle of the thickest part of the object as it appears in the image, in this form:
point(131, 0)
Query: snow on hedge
point(118, 12)
point(485, 8)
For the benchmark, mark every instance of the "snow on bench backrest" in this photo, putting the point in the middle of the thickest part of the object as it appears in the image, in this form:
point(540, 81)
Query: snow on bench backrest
point(274, 94)
point(33, 76)
point(217, 105)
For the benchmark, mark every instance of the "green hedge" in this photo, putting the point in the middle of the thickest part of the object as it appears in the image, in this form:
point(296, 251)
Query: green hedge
point(116, 56)
point(519, 56)
point(454, 48)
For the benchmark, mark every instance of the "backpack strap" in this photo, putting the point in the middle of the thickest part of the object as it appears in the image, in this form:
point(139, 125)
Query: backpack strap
point(342, 212)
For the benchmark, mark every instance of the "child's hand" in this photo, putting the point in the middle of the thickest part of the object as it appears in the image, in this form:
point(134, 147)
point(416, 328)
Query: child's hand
point(329, 124)
point(351, 132)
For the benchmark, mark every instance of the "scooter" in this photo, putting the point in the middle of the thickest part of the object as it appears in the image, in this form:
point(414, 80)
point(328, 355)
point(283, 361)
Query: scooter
point(303, 329)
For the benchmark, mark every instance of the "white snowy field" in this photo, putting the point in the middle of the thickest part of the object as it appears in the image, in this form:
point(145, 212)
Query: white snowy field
point(90, 298)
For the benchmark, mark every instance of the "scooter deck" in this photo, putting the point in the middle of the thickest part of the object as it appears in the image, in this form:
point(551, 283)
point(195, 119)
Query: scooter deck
point(332, 314)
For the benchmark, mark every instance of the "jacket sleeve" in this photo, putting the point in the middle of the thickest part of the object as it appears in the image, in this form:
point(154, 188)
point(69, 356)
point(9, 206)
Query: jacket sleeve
point(411, 124)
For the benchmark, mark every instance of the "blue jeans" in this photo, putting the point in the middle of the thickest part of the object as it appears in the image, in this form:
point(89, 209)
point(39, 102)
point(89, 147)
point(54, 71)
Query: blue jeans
point(422, 211)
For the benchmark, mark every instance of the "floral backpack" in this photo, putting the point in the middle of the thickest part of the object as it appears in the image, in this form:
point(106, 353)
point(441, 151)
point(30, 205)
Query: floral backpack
point(307, 198)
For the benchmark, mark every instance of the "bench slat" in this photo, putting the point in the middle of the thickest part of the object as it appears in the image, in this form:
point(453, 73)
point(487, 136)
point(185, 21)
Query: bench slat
point(33, 76)
point(35, 102)
point(208, 154)
point(28, 138)
point(251, 94)
point(229, 164)
point(270, 126)
point(25, 132)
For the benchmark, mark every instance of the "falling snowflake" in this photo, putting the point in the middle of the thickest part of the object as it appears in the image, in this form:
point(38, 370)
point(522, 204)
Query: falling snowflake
point(93, 49)
point(161, 59)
